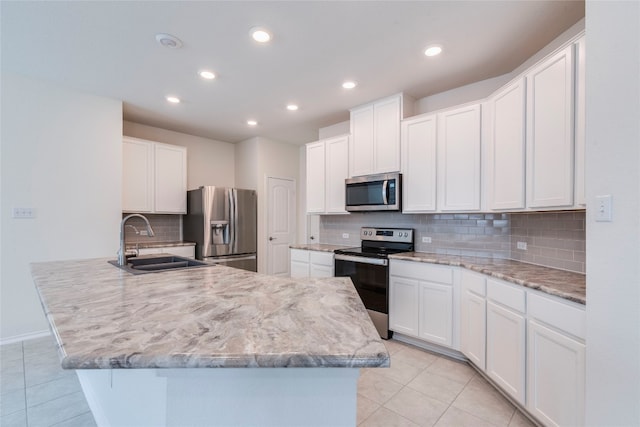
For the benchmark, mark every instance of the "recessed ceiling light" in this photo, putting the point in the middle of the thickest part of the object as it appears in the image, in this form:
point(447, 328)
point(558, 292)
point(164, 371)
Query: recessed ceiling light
point(173, 99)
point(292, 107)
point(349, 84)
point(167, 40)
point(260, 35)
point(208, 75)
point(252, 123)
point(433, 50)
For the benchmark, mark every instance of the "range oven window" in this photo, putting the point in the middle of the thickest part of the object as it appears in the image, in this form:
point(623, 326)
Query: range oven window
point(370, 280)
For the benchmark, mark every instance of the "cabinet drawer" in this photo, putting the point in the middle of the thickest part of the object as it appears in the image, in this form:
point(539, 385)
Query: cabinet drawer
point(421, 271)
point(557, 314)
point(474, 283)
point(299, 255)
point(506, 294)
point(321, 258)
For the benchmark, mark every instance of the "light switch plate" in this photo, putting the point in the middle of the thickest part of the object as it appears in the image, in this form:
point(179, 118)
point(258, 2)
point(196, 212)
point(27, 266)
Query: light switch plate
point(604, 209)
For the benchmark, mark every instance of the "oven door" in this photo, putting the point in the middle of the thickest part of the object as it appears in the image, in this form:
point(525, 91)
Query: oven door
point(370, 277)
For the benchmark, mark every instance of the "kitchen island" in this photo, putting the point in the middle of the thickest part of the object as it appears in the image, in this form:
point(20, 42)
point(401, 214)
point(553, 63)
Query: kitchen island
point(148, 348)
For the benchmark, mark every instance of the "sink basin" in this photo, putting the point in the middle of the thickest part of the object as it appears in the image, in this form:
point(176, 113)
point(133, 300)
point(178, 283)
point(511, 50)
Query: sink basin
point(158, 263)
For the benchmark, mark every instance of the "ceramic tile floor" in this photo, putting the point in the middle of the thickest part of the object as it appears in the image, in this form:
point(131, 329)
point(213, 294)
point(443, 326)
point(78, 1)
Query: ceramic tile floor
point(36, 391)
point(420, 389)
point(423, 389)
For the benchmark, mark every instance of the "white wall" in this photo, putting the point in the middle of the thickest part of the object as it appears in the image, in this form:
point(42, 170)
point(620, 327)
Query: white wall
point(61, 155)
point(462, 95)
point(335, 130)
point(246, 164)
point(209, 162)
point(613, 249)
point(257, 159)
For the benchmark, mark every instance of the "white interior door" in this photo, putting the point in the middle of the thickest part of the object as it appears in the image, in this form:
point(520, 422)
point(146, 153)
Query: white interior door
point(281, 224)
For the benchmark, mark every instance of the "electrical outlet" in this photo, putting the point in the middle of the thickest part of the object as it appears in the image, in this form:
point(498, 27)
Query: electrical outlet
point(345, 235)
point(23, 213)
point(426, 240)
point(143, 232)
point(522, 245)
point(603, 209)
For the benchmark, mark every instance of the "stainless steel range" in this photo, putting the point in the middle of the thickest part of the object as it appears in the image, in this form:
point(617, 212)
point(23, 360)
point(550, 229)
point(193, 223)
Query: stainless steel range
point(368, 268)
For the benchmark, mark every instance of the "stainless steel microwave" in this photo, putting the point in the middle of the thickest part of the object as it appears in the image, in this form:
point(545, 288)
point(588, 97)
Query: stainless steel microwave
point(373, 193)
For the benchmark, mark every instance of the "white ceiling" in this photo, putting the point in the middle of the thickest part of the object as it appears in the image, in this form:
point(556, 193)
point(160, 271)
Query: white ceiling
point(109, 49)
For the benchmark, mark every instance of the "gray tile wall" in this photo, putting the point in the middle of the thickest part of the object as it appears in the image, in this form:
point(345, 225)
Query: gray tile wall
point(166, 228)
point(554, 239)
point(479, 234)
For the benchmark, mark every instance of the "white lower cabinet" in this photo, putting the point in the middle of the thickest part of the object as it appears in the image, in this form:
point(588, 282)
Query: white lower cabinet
point(404, 305)
point(556, 361)
point(436, 313)
point(529, 343)
point(421, 301)
point(506, 337)
point(473, 318)
point(306, 263)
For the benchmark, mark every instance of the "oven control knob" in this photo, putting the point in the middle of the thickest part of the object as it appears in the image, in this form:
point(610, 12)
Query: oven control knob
point(406, 234)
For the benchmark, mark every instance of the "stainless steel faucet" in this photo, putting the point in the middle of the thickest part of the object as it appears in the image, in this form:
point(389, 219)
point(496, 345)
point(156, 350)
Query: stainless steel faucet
point(122, 259)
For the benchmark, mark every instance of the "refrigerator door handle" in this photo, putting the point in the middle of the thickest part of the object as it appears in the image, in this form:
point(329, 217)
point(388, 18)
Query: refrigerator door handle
point(232, 229)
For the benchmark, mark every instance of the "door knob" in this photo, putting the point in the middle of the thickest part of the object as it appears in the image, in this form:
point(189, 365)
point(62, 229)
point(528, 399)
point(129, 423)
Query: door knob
point(272, 238)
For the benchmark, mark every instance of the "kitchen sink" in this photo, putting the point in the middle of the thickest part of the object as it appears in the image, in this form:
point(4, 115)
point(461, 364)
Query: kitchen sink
point(158, 263)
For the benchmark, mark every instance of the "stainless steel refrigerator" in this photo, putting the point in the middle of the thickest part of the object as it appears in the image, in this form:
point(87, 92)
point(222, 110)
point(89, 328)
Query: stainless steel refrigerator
point(223, 223)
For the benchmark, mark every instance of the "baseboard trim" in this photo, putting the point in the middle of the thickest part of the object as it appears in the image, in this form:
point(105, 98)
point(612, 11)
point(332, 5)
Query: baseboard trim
point(25, 337)
point(434, 348)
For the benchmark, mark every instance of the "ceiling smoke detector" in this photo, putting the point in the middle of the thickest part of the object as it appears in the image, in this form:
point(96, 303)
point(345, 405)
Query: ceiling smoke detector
point(167, 40)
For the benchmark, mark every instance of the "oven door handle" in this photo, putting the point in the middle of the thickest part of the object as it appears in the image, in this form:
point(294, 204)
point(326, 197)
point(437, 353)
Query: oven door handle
point(361, 259)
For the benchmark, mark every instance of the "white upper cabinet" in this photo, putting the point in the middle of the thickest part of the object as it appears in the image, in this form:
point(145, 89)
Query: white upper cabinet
point(505, 165)
point(327, 168)
point(337, 170)
point(459, 159)
point(315, 177)
point(386, 122)
point(170, 179)
point(375, 136)
point(137, 175)
point(154, 177)
point(361, 156)
point(580, 124)
point(418, 147)
point(550, 148)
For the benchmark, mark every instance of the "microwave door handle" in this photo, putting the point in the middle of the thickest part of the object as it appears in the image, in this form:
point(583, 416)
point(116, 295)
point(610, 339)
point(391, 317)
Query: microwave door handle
point(384, 192)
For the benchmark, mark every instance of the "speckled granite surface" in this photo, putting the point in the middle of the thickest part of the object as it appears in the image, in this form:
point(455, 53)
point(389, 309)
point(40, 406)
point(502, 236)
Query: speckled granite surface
point(318, 247)
point(104, 317)
point(564, 284)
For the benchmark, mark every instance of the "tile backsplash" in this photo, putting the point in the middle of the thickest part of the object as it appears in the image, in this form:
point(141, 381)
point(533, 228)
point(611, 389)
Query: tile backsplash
point(554, 239)
point(166, 228)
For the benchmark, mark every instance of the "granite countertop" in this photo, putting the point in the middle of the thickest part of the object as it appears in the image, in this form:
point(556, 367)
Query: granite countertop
point(318, 247)
point(142, 245)
point(103, 317)
point(564, 284)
